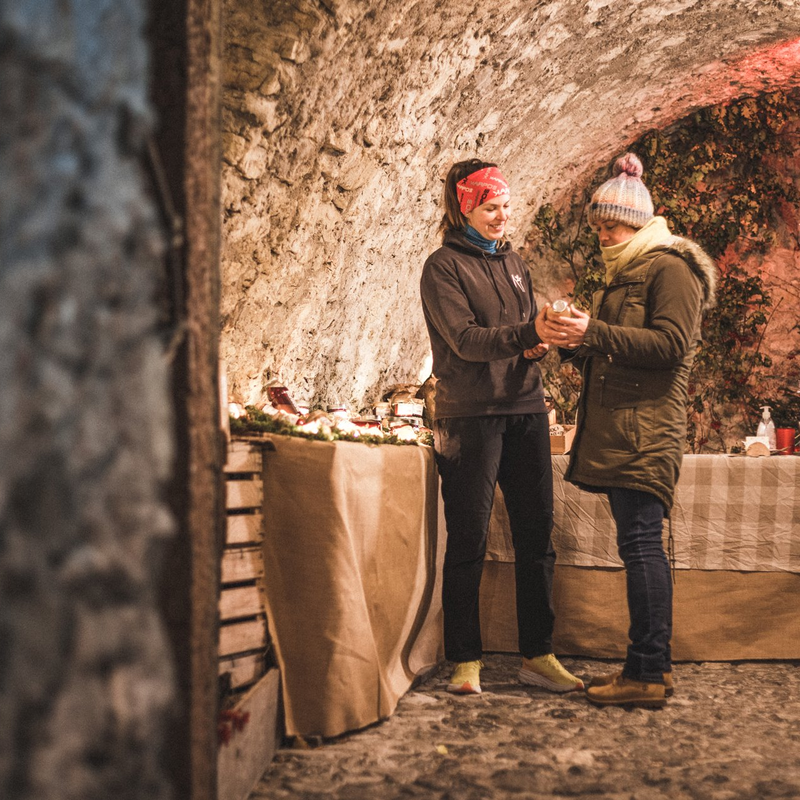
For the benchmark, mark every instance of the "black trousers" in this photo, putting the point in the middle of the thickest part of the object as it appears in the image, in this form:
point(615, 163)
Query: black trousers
point(473, 455)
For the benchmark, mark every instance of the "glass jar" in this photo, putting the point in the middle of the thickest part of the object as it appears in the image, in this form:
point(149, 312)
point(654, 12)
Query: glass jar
point(280, 398)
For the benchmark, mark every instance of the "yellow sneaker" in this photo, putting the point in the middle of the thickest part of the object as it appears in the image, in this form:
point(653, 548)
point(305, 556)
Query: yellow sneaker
point(547, 672)
point(466, 678)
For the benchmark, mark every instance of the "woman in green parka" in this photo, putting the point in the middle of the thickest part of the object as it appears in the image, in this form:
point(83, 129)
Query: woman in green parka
point(635, 352)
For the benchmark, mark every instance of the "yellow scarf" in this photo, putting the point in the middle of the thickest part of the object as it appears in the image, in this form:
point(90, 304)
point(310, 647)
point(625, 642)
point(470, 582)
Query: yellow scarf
point(654, 233)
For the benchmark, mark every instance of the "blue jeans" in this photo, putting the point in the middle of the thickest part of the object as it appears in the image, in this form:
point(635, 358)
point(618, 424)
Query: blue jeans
point(640, 521)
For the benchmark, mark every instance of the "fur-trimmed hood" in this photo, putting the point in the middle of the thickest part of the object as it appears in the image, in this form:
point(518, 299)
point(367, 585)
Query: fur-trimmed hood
point(701, 264)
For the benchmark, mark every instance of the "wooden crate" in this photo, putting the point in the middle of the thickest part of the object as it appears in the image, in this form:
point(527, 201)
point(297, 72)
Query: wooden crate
point(243, 638)
point(244, 758)
point(563, 443)
point(245, 663)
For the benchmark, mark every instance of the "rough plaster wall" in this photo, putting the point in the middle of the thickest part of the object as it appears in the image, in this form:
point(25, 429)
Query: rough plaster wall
point(341, 119)
point(85, 679)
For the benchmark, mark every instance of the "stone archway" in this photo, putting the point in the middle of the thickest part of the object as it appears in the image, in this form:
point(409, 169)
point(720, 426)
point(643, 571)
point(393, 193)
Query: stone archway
point(340, 119)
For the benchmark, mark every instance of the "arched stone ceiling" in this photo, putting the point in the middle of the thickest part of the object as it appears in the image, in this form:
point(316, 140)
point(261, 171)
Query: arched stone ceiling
point(342, 117)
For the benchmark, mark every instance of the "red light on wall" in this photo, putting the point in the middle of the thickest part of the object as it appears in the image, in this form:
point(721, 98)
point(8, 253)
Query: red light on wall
point(780, 61)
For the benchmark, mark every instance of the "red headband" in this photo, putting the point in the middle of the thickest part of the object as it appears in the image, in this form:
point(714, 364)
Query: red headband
point(480, 187)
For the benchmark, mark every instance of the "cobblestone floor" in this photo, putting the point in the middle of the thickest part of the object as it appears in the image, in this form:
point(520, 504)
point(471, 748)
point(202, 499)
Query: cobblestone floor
point(731, 732)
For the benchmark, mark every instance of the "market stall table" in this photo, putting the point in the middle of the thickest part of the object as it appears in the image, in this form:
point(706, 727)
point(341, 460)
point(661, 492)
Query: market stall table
point(354, 544)
point(736, 526)
point(352, 550)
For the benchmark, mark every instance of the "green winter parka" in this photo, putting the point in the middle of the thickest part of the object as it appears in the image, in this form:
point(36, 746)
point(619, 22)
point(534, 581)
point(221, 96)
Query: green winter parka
point(635, 361)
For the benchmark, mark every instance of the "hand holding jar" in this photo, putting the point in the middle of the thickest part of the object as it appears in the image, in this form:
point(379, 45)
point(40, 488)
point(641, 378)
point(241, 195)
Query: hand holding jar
point(562, 324)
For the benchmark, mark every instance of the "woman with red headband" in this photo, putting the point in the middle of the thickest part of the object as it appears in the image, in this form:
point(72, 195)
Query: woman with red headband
point(490, 423)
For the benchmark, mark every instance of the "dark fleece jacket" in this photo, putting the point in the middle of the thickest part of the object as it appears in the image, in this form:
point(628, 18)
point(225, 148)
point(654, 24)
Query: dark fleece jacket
point(479, 309)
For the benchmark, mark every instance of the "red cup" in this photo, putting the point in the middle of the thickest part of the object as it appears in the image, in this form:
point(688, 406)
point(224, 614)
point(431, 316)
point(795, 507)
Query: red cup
point(784, 440)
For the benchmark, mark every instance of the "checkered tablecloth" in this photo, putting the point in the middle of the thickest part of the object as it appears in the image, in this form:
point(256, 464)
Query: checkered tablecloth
point(730, 513)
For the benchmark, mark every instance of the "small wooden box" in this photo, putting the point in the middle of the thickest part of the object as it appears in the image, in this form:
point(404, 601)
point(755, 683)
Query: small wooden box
point(244, 759)
point(563, 443)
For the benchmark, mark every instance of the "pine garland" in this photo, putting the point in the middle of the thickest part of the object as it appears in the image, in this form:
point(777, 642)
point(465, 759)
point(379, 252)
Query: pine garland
point(257, 422)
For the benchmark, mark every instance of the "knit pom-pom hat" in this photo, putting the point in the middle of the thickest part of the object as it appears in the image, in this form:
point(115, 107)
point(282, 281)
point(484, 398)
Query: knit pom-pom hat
point(623, 198)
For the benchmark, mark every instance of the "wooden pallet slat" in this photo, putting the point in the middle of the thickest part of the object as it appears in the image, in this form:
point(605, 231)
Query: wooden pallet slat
point(243, 457)
point(243, 601)
point(243, 669)
point(242, 564)
point(240, 637)
point(244, 529)
point(244, 494)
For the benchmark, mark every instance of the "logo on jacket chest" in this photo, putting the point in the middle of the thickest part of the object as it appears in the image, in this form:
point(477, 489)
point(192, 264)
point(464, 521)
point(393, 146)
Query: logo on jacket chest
point(517, 279)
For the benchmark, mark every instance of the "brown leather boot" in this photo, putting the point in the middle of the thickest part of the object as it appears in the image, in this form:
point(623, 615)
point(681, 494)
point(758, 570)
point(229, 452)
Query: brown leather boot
point(604, 680)
point(626, 692)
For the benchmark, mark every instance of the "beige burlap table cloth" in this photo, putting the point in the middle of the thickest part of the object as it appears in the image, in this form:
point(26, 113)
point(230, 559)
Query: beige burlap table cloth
point(736, 525)
point(353, 550)
point(354, 542)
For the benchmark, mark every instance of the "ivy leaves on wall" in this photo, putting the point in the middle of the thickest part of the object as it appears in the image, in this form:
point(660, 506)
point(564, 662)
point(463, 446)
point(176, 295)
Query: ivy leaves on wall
point(712, 176)
point(715, 175)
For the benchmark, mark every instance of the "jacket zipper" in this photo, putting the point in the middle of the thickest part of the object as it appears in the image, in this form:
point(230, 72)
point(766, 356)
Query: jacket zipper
point(520, 305)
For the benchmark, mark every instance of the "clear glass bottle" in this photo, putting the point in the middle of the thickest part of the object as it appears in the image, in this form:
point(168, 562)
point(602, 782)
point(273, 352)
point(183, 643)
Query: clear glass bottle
point(767, 427)
point(560, 308)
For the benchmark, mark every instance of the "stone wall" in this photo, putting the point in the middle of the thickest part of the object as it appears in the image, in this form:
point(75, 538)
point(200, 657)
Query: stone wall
point(85, 422)
point(342, 117)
